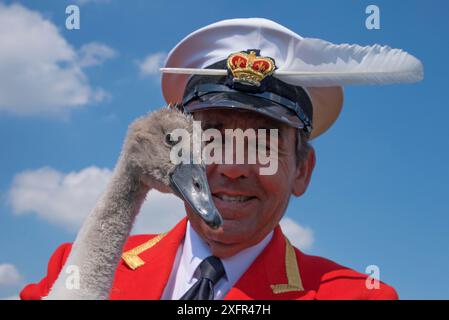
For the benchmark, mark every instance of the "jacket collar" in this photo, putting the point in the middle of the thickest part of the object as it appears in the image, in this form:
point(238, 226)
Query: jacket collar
point(274, 274)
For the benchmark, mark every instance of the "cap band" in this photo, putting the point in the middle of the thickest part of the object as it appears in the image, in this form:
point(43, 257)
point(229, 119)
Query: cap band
point(203, 89)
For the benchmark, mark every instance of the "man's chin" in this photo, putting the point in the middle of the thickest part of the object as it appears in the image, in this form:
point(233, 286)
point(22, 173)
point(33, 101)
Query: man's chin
point(223, 250)
point(230, 227)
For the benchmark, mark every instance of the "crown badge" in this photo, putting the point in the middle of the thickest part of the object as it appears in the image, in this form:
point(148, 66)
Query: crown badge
point(250, 68)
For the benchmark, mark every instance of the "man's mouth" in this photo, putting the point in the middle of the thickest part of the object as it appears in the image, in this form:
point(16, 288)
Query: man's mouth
point(236, 198)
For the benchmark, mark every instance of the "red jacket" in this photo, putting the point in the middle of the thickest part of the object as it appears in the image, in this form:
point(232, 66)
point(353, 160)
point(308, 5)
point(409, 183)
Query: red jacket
point(280, 272)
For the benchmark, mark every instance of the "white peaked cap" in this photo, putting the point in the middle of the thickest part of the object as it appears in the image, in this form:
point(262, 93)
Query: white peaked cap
point(321, 67)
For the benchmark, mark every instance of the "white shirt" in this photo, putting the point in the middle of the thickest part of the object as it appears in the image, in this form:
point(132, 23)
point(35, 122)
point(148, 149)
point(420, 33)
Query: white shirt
point(192, 251)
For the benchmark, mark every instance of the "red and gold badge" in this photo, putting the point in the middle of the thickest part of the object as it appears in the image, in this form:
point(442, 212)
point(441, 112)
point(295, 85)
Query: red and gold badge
point(250, 68)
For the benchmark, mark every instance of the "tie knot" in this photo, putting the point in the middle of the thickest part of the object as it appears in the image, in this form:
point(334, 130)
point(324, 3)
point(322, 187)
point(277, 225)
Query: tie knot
point(211, 268)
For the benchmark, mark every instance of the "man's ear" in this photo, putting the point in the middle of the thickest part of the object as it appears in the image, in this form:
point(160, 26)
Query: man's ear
point(304, 173)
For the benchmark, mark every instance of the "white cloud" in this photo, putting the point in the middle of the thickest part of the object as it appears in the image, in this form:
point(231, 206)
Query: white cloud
point(301, 237)
point(152, 63)
point(57, 197)
point(40, 73)
point(94, 53)
point(66, 199)
point(9, 275)
point(11, 298)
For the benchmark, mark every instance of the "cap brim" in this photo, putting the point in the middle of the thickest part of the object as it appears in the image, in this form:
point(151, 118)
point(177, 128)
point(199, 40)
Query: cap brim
point(242, 101)
point(327, 102)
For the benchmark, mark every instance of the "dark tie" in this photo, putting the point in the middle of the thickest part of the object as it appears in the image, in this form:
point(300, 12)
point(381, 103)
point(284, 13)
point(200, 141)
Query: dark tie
point(211, 270)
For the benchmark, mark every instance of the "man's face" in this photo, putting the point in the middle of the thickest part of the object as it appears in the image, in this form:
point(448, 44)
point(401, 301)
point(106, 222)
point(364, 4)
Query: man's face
point(251, 204)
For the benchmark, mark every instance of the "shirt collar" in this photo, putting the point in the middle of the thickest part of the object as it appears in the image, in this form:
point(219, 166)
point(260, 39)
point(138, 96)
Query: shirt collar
point(195, 250)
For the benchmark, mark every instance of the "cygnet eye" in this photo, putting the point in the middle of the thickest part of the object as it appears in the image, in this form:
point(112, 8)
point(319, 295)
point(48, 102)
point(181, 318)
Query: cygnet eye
point(169, 139)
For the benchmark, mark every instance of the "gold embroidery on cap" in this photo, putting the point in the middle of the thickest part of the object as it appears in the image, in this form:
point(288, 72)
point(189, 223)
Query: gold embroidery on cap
point(250, 68)
point(292, 270)
point(132, 258)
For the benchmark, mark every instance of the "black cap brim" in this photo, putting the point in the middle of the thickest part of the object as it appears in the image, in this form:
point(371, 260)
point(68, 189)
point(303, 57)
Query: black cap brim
point(240, 100)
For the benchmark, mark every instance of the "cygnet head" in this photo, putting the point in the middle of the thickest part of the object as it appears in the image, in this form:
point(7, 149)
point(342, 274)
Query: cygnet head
point(149, 144)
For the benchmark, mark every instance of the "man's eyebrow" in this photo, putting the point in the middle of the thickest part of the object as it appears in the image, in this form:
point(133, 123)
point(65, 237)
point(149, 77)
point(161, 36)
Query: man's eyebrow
point(271, 127)
point(220, 126)
point(268, 127)
point(212, 125)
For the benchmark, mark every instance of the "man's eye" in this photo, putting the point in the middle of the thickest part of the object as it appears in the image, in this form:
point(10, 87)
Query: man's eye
point(214, 141)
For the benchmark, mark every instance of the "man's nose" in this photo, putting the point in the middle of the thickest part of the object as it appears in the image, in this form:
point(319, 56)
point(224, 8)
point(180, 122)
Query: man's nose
point(233, 171)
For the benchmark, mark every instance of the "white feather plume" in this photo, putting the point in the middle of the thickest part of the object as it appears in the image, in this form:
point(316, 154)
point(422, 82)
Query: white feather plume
point(321, 63)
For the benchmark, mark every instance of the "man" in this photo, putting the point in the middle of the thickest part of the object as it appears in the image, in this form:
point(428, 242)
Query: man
point(251, 74)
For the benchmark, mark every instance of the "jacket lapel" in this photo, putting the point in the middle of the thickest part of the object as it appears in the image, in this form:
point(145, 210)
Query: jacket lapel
point(274, 275)
point(153, 267)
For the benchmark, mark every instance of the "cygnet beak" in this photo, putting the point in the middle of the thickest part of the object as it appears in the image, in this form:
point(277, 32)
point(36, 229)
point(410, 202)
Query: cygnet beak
point(190, 182)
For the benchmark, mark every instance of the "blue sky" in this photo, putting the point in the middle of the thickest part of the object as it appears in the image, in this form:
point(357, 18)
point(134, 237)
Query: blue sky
point(379, 193)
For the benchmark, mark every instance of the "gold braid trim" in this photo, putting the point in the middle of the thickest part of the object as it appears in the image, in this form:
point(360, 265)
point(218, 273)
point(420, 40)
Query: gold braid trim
point(292, 270)
point(132, 258)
